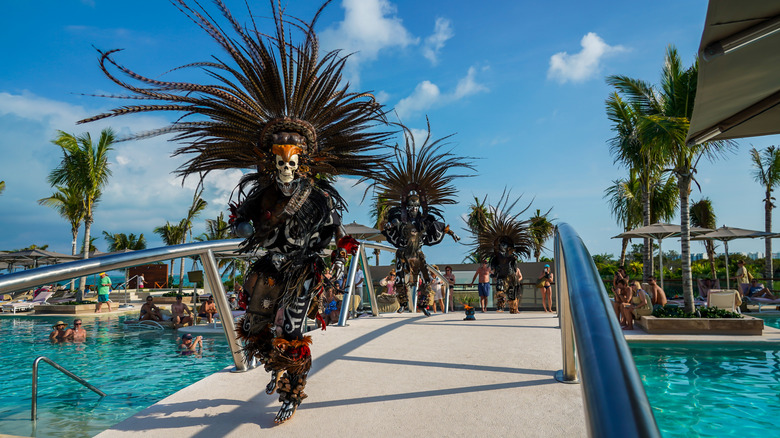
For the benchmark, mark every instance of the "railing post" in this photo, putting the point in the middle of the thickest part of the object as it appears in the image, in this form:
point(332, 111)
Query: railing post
point(218, 292)
point(569, 372)
point(346, 301)
point(369, 282)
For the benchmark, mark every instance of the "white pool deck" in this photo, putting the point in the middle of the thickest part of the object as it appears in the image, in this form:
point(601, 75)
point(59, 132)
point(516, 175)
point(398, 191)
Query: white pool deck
point(394, 375)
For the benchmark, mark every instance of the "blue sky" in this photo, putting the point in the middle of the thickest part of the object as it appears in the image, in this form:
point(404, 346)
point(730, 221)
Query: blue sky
point(520, 84)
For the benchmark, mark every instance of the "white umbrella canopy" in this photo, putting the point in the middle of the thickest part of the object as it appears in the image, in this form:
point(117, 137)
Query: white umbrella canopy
point(659, 231)
point(363, 232)
point(726, 234)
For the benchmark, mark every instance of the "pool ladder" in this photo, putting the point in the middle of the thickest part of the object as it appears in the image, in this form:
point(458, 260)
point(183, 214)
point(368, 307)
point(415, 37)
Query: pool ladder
point(34, 413)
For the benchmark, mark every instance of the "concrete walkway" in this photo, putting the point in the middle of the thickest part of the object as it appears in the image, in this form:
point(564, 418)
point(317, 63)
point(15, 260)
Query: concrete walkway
point(395, 375)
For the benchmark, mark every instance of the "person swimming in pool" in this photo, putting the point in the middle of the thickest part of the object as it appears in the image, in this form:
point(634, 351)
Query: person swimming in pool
point(189, 345)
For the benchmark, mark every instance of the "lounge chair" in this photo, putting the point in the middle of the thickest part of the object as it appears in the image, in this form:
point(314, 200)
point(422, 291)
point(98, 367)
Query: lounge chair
point(20, 306)
point(723, 299)
point(762, 301)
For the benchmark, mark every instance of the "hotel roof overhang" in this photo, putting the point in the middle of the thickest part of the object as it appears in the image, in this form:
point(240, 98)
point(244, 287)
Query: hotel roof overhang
point(738, 91)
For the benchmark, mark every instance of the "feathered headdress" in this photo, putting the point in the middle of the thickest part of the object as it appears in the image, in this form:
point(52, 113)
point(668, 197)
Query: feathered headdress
point(270, 86)
point(502, 226)
point(425, 171)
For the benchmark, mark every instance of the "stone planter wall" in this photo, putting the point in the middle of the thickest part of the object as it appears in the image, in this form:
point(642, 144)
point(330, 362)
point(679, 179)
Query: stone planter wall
point(702, 326)
point(170, 300)
point(68, 309)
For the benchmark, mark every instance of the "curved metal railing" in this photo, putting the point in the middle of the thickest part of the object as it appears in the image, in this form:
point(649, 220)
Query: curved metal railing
point(65, 271)
point(615, 401)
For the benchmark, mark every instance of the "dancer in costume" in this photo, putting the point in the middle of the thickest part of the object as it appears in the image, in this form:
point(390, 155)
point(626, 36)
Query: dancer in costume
point(413, 188)
point(501, 239)
point(283, 112)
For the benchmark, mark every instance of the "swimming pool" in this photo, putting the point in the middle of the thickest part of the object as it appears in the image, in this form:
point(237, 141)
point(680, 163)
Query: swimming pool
point(772, 320)
point(134, 368)
point(711, 390)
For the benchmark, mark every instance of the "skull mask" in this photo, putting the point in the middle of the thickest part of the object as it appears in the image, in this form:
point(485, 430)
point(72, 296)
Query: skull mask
point(286, 168)
point(286, 147)
point(413, 206)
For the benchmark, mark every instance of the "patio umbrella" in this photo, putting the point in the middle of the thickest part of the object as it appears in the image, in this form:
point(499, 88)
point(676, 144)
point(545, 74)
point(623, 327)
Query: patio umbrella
point(659, 231)
point(726, 234)
point(738, 88)
point(36, 256)
point(363, 232)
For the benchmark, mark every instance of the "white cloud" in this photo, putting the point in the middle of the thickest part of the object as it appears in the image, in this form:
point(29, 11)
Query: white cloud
point(434, 43)
point(141, 194)
point(428, 95)
point(583, 65)
point(369, 26)
point(425, 95)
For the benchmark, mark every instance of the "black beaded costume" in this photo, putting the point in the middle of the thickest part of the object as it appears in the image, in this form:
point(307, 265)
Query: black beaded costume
point(284, 113)
point(501, 239)
point(412, 188)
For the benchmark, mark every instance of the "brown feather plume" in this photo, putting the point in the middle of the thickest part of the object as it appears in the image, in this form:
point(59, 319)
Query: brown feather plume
point(503, 225)
point(266, 78)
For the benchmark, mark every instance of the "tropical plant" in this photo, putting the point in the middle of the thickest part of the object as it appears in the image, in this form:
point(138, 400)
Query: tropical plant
point(540, 229)
point(662, 131)
point(92, 247)
point(85, 169)
point(703, 216)
point(69, 204)
point(478, 215)
point(766, 171)
point(627, 148)
point(197, 206)
point(2, 187)
point(122, 241)
point(171, 234)
point(219, 229)
point(625, 202)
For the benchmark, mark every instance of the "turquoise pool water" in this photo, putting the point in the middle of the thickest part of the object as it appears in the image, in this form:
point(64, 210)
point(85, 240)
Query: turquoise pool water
point(134, 368)
point(769, 320)
point(711, 390)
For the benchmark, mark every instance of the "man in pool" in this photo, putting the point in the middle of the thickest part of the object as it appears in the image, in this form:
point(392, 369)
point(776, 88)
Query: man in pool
point(59, 333)
point(189, 346)
point(149, 311)
point(208, 309)
point(178, 310)
point(77, 333)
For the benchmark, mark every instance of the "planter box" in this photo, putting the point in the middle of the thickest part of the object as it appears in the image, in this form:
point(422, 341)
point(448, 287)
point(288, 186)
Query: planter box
point(66, 309)
point(170, 300)
point(702, 326)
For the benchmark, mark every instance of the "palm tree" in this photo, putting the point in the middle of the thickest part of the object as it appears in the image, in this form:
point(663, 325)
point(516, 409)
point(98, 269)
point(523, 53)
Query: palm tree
point(84, 168)
point(69, 204)
point(121, 241)
point(219, 229)
point(197, 206)
point(478, 216)
point(662, 129)
point(625, 204)
point(627, 148)
point(703, 216)
point(171, 235)
point(766, 172)
point(540, 229)
point(2, 187)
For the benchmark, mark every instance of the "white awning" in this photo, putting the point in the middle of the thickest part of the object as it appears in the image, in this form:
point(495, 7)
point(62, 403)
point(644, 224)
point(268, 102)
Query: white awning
point(738, 91)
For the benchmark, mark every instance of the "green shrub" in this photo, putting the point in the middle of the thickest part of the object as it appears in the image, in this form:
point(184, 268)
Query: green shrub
point(701, 312)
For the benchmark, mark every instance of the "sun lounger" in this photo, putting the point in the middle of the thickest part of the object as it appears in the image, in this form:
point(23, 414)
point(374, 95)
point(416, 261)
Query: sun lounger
point(723, 299)
point(762, 302)
point(21, 306)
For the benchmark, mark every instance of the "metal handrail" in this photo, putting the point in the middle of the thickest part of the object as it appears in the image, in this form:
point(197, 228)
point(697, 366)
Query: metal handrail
point(615, 401)
point(34, 410)
point(66, 271)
